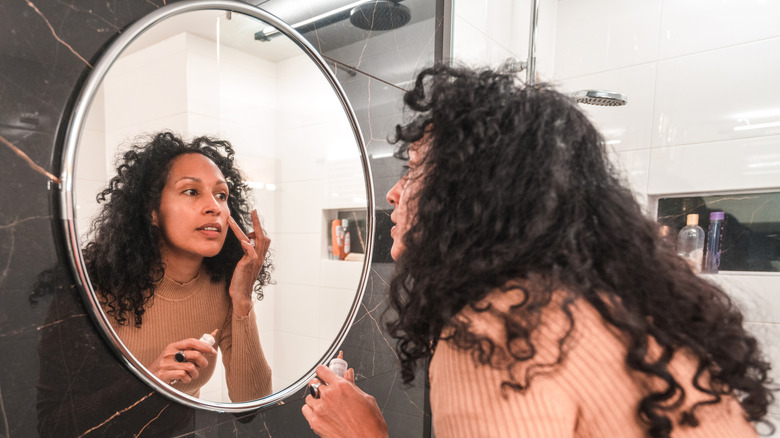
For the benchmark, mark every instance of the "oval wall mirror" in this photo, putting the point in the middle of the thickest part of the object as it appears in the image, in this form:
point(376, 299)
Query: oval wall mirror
point(205, 68)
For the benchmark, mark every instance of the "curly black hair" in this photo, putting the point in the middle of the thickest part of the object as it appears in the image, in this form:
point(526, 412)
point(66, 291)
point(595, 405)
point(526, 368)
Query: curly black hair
point(517, 187)
point(122, 255)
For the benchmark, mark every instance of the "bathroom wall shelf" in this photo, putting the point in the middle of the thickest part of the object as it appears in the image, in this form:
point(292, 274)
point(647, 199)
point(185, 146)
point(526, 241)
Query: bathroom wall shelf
point(751, 232)
point(356, 219)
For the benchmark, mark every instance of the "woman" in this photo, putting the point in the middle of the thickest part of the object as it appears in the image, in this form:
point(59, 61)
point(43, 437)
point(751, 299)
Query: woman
point(543, 297)
point(170, 261)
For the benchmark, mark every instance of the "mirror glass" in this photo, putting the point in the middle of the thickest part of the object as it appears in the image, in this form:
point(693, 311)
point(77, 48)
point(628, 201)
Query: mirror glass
point(204, 72)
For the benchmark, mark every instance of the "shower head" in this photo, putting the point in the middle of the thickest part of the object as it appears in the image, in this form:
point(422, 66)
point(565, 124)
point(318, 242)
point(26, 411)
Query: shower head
point(380, 15)
point(600, 97)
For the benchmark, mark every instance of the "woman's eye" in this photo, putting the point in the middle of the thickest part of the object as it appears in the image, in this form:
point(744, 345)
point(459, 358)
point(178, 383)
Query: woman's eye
point(222, 196)
point(191, 192)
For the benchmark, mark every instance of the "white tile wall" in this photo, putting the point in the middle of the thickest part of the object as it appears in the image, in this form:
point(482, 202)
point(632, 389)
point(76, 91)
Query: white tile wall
point(486, 33)
point(628, 127)
point(598, 35)
point(473, 47)
point(718, 166)
point(754, 292)
point(216, 388)
point(143, 95)
point(718, 95)
point(202, 74)
point(297, 258)
point(341, 274)
point(86, 204)
point(199, 124)
point(150, 54)
point(300, 306)
point(299, 206)
point(634, 167)
point(300, 353)
point(690, 26)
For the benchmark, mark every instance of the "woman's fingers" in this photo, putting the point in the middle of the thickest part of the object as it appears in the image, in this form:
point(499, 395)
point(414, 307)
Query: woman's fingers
point(182, 360)
point(237, 230)
point(194, 357)
point(326, 375)
point(193, 344)
point(256, 222)
point(250, 253)
point(261, 241)
point(187, 372)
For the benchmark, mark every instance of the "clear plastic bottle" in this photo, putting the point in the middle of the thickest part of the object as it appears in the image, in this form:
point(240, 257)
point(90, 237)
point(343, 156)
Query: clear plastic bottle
point(690, 242)
point(338, 365)
point(714, 241)
point(209, 337)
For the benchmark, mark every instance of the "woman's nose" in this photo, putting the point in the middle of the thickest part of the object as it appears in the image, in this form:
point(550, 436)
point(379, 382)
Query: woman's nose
point(394, 194)
point(212, 206)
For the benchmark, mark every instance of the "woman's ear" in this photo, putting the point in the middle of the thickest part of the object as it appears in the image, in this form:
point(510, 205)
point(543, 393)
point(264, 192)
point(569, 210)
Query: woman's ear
point(154, 218)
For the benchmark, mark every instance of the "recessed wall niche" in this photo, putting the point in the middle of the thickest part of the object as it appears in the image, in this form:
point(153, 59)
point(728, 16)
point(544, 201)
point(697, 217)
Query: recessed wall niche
point(751, 226)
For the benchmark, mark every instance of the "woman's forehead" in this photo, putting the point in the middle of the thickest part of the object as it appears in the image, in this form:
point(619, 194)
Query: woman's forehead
point(194, 165)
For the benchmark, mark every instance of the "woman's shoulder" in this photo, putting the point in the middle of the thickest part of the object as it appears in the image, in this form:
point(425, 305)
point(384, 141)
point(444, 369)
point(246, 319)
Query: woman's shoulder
point(528, 325)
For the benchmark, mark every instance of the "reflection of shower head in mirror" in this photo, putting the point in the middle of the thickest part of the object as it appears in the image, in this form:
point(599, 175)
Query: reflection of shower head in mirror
point(367, 15)
point(380, 15)
point(600, 97)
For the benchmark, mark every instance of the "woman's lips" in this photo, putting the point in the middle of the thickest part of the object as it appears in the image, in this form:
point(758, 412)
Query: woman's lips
point(210, 230)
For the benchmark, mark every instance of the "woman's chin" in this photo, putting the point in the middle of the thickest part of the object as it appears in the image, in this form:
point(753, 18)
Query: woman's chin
point(396, 250)
point(210, 252)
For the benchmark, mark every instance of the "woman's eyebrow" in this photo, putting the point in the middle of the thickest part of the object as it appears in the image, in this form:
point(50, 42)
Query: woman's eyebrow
point(198, 180)
point(191, 178)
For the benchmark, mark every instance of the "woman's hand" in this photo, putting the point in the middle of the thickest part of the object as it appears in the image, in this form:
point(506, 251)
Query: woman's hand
point(168, 369)
point(342, 409)
point(247, 269)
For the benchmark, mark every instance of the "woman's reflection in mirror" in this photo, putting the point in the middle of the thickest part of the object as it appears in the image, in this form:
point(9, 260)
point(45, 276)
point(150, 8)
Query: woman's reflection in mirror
point(171, 260)
point(535, 289)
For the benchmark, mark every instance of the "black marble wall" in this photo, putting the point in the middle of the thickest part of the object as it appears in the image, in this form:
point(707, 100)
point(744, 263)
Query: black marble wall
point(47, 48)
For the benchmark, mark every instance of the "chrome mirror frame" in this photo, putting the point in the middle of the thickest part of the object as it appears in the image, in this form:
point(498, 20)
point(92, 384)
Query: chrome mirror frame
point(67, 199)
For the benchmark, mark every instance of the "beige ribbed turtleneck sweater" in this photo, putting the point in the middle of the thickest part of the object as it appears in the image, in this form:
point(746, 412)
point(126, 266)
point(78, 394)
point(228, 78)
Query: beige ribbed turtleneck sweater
point(591, 394)
point(181, 311)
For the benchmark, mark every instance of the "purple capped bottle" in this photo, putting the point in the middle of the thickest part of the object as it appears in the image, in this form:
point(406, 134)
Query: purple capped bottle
point(714, 241)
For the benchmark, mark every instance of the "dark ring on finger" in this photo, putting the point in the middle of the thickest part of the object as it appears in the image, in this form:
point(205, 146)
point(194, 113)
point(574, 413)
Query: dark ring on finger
point(179, 357)
point(314, 389)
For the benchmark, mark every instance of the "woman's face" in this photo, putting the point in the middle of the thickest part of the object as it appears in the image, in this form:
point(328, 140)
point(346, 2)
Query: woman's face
point(402, 197)
point(193, 209)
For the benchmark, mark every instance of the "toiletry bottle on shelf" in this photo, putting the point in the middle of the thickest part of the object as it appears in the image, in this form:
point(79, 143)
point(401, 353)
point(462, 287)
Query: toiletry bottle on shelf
point(714, 241)
point(337, 241)
point(347, 239)
point(690, 242)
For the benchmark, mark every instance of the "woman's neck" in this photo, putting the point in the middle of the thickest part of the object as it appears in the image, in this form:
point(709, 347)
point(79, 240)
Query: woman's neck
point(181, 269)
